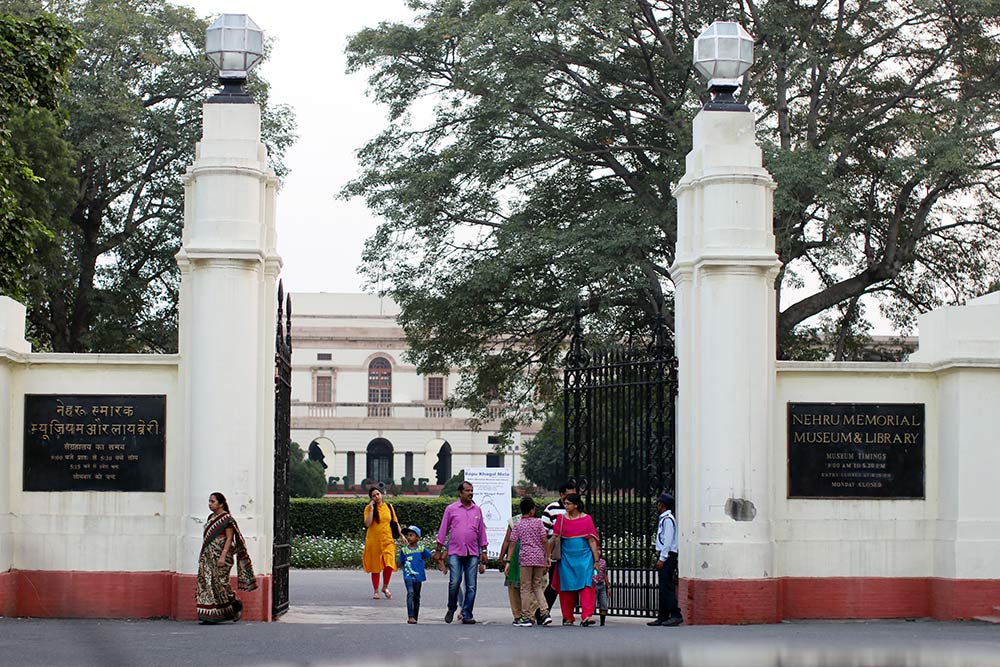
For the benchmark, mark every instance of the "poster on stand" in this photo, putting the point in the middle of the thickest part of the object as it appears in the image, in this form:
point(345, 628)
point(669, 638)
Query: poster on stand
point(491, 491)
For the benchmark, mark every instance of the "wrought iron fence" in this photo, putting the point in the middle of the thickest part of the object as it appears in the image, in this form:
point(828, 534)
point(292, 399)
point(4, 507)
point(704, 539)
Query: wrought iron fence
point(282, 550)
point(619, 445)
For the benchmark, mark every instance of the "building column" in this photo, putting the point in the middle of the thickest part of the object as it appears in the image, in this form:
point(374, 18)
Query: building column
point(229, 265)
point(724, 274)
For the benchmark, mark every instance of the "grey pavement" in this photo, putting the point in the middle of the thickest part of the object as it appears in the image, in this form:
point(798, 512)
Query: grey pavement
point(334, 621)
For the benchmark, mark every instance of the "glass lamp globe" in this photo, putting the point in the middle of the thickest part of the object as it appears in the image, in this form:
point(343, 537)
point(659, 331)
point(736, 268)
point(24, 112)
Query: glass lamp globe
point(723, 52)
point(235, 44)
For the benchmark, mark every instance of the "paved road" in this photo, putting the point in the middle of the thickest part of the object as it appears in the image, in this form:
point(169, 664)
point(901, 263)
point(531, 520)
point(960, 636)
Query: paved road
point(334, 621)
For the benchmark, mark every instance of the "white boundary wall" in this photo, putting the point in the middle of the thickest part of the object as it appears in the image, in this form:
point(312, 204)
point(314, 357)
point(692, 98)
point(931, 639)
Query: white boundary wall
point(94, 530)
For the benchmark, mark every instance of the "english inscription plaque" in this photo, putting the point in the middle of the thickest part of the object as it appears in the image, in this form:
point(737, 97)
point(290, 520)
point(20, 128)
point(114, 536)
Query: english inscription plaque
point(856, 450)
point(94, 442)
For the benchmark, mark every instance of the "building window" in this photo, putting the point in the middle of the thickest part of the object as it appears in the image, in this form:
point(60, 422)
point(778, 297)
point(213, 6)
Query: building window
point(379, 461)
point(494, 460)
point(409, 465)
point(435, 389)
point(324, 389)
point(379, 381)
point(323, 356)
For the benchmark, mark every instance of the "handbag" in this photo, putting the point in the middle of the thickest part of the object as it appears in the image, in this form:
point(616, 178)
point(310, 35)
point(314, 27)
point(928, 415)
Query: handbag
point(394, 523)
point(555, 553)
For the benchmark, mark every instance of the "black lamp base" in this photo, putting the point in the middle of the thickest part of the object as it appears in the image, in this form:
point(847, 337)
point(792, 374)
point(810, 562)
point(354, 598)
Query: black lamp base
point(233, 92)
point(723, 100)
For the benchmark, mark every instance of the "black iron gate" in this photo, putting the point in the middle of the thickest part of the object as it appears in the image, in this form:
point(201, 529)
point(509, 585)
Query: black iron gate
point(282, 440)
point(619, 445)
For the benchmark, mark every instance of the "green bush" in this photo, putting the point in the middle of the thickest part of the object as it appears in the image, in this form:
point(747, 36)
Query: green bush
point(450, 488)
point(327, 552)
point(336, 552)
point(307, 477)
point(344, 517)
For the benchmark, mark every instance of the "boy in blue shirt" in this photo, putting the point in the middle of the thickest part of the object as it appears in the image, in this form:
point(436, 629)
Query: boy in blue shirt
point(411, 560)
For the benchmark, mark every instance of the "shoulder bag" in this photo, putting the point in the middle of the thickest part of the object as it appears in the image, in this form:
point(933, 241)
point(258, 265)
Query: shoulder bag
point(555, 553)
point(394, 523)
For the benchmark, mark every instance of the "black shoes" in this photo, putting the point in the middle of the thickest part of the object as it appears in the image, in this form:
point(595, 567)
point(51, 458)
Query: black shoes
point(449, 616)
point(667, 623)
point(468, 621)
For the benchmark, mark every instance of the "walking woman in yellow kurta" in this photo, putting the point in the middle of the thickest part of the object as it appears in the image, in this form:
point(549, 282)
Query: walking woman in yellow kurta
point(380, 548)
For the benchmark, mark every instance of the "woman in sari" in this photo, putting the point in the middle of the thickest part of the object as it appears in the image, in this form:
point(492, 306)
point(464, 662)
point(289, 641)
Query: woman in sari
point(222, 545)
point(379, 557)
point(575, 575)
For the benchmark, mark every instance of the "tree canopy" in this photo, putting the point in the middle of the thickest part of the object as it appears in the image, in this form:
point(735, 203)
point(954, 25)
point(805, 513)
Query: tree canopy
point(543, 462)
point(36, 54)
point(107, 280)
point(532, 146)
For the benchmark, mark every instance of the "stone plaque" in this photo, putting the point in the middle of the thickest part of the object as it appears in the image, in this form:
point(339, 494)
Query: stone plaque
point(856, 450)
point(94, 442)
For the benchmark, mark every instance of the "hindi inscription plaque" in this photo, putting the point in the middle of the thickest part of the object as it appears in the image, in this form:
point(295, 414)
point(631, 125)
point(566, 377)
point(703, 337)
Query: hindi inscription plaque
point(856, 450)
point(94, 442)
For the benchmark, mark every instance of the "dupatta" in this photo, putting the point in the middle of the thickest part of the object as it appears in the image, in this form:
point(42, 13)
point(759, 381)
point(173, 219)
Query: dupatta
point(216, 526)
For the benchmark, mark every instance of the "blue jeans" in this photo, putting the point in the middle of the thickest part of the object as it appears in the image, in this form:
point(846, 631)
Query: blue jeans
point(459, 567)
point(412, 597)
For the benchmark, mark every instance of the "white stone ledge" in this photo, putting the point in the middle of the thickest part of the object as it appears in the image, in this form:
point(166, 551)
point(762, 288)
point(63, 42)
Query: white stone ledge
point(95, 359)
point(883, 367)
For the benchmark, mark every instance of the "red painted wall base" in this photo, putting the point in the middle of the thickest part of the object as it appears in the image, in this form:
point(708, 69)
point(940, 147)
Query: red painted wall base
point(68, 594)
point(733, 601)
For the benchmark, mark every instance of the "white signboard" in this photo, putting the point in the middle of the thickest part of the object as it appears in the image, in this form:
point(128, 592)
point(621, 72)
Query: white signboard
point(491, 491)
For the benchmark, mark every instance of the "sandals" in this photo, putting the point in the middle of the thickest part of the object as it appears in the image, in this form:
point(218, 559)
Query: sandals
point(587, 621)
point(565, 622)
point(386, 593)
point(375, 596)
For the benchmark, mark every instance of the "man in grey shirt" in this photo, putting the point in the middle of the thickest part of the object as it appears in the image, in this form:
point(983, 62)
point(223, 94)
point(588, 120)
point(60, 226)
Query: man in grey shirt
point(549, 516)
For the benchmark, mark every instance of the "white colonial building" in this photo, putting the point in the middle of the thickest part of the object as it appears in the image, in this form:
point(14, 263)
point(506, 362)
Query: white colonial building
point(368, 410)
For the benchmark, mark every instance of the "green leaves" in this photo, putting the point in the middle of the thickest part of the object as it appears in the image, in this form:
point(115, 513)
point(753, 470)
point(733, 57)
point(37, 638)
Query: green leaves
point(108, 280)
point(532, 146)
point(36, 54)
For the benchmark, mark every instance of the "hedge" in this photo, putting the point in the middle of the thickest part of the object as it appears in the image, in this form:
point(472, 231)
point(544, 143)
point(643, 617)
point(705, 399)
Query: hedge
point(344, 517)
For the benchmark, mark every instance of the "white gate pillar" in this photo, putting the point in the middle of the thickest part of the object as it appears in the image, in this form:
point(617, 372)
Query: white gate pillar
point(724, 271)
point(229, 264)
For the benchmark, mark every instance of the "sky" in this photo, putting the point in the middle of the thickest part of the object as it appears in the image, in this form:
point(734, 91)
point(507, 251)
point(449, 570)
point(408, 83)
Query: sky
point(320, 236)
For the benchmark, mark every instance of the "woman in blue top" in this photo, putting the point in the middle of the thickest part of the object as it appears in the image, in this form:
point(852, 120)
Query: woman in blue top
point(575, 574)
point(411, 560)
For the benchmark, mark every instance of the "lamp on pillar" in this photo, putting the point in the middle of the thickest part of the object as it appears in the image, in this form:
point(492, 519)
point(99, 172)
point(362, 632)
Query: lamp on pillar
point(724, 303)
point(229, 263)
point(235, 44)
point(723, 52)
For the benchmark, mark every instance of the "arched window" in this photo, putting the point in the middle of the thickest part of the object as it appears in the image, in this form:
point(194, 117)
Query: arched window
point(443, 466)
point(379, 467)
point(379, 387)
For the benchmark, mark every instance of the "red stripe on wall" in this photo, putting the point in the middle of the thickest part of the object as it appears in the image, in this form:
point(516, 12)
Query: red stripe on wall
point(856, 597)
point(73, 594)
point(733, 601)
point(729, 601)
point(8, 594)
point(964, 598)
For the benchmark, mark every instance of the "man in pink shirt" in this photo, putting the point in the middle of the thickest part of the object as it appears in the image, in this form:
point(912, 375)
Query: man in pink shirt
point(463, 530)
